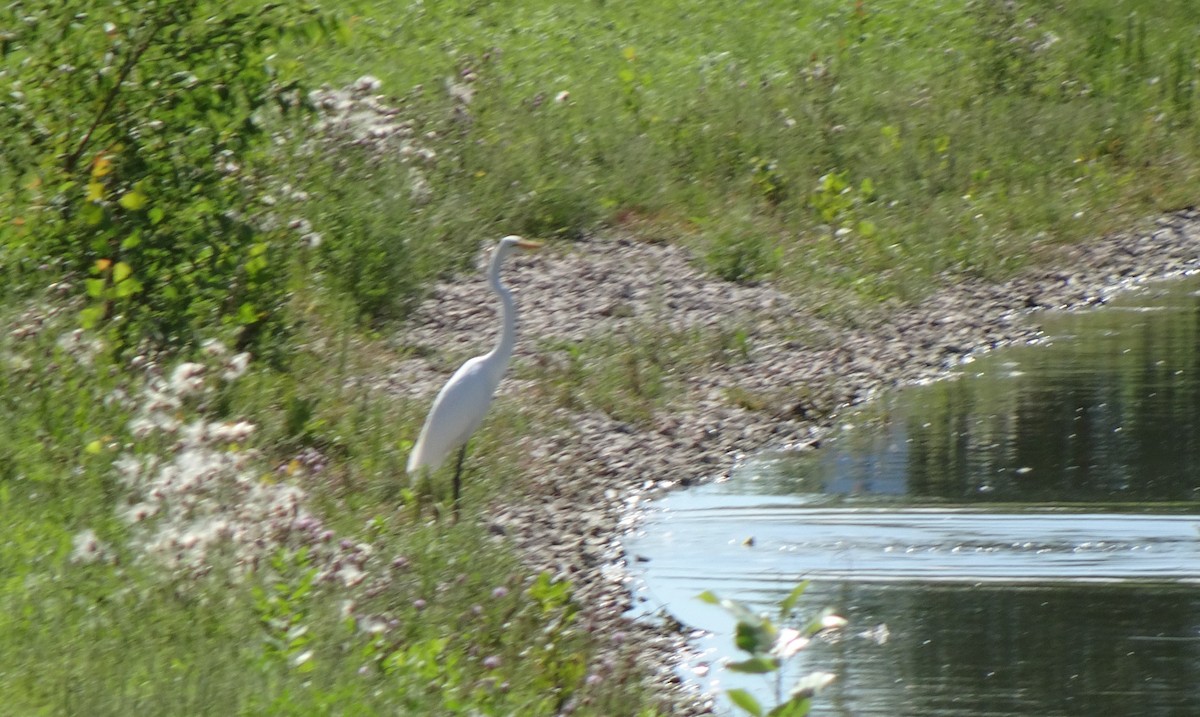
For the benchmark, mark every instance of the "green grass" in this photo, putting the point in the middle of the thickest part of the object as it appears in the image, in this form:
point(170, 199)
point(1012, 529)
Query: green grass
point(983, 130)
point(633, 376)
point(447, 617)
point(855, 154)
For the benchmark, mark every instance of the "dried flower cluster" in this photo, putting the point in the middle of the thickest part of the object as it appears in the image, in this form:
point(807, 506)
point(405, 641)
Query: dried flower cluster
point(358, 116)
point(202, 498)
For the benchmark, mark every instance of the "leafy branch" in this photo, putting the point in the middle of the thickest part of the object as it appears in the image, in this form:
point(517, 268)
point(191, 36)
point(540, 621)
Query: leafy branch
point(770, 647)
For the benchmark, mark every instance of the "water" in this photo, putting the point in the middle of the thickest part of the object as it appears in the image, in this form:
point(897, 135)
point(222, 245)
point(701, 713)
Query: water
point(1020, 540)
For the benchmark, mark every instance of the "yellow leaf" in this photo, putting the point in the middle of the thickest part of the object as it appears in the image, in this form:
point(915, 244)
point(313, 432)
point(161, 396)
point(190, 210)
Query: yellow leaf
point(103, 264)
point(133, 201)
point(629, 54)
point(101, 166)
point(95, 191)
point(94, 447)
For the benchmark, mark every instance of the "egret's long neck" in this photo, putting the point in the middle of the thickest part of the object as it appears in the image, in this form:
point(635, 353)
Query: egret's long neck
point(508, 313)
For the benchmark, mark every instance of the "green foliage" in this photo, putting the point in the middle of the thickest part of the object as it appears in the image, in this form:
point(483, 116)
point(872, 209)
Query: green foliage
point(838, 204)
point(379, 248)
point(281, 600)
point(135, 133)
point(461, 627)
point(633, 376)
point(769, 647)
point(742, 251)
point(1011, 48)
point(987, 128)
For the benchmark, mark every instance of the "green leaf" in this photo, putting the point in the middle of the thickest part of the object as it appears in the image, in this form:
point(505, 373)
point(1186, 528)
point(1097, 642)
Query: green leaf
point(709, 597)
point(121, 271)
point(789, 603)
point(757, 665)
point(246, 314)
point(867, 189)
point(92, 214)
point(795, 707)
point(90, 317)
point(95, 287)
point(128, 288)
point(754, 634)
point(155, 214)
point(746, 701)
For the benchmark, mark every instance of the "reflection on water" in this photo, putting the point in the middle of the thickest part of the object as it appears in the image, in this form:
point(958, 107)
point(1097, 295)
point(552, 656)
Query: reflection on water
point(1026, 533)
point(1054, 650)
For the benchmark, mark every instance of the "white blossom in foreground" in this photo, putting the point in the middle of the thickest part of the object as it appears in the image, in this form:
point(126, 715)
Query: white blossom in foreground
point(86, 547)
point(202, 498)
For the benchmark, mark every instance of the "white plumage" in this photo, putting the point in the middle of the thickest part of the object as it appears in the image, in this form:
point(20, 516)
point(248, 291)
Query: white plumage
point(460, 406)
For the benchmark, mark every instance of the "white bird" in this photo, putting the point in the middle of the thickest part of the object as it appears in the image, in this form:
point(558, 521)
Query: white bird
point(462, 403)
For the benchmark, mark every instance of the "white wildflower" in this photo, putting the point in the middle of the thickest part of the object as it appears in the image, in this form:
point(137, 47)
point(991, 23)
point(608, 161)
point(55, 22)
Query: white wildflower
point(833, 622)
point(187, 378)
point(194, 433)
point(351, 575)
point(129, 468)
point(367, 84)
point(86, 547)
point(789, 642)
point(813, 683)
point(214, 348)
point(232, 432)
point(141, 427)
point(139, 512)
point(236, 366)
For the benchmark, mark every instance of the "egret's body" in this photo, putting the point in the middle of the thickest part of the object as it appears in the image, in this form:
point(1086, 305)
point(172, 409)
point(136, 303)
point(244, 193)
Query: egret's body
point(462, 403)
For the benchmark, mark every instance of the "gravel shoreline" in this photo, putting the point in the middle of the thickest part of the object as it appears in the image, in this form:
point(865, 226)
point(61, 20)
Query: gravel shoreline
point(589, 478)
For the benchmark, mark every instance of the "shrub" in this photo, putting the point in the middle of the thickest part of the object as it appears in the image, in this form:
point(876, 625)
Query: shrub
point(135, 130)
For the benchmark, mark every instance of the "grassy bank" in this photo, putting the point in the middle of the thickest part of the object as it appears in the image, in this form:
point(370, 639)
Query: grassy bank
point(856, 151)
point(217, 537)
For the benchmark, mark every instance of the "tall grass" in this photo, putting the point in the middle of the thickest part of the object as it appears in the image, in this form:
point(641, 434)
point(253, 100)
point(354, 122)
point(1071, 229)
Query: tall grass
point(985, 128)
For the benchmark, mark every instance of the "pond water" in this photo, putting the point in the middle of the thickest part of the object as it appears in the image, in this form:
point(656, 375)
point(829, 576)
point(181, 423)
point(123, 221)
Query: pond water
point(1021, 539)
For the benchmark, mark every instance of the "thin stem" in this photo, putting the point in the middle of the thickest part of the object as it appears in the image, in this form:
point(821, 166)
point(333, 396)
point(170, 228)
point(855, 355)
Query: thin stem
point(111, 98)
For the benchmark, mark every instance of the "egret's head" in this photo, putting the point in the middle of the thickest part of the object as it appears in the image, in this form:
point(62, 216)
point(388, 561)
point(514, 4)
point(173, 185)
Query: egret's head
point(512, 241)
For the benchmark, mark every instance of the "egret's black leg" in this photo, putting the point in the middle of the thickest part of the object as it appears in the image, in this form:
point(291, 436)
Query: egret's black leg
point(462, 453)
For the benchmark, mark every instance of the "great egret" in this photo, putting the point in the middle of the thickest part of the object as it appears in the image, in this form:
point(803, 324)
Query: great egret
point(462, 403)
